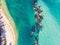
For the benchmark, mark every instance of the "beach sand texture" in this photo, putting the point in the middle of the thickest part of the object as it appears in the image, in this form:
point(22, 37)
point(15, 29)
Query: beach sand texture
point(11, 33)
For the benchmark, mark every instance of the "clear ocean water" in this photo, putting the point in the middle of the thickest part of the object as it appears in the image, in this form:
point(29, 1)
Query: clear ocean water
point(23, 15)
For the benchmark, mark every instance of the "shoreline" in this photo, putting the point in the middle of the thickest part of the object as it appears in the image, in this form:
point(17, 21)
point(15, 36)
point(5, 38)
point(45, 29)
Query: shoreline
point(5, 10)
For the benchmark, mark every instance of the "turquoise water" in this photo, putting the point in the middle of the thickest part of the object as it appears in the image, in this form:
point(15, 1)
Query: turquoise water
point(50, 35)
point(23, 16)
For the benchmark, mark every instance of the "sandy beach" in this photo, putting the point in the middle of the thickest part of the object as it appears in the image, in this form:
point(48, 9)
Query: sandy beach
point(11, 33)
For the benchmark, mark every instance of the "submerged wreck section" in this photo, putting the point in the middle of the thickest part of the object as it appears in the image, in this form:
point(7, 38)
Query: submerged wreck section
point(38, 25)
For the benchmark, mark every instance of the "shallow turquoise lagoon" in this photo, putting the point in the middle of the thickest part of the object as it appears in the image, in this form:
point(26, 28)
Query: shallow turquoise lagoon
point(23, 15)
